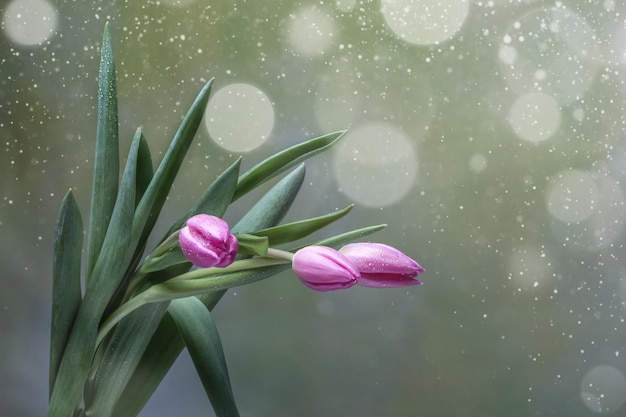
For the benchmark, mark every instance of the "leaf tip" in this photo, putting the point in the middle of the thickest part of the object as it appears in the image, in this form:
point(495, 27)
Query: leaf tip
point(106, 34)
point(340, 133)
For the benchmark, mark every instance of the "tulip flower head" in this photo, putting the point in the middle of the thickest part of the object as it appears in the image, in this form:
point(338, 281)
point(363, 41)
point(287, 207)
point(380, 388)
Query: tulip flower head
point(324, 269)
point(382, 266)
point(206, 241)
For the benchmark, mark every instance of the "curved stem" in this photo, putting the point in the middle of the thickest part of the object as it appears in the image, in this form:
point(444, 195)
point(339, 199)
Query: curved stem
point(124, 310)
point(135, 283)
point(279, 254)
point(175, 288)
point(236, 266)
point(193, 283)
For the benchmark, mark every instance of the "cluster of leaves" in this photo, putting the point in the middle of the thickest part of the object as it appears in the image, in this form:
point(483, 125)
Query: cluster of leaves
point(115, 373)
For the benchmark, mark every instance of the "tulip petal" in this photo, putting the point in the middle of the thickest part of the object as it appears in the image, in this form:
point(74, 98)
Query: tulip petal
point(324, 269)
point(387, 281)
point(206, 241)
point(382, 266)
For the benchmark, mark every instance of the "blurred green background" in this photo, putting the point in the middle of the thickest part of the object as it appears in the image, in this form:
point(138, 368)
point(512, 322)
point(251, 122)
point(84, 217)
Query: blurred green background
point(488, 134)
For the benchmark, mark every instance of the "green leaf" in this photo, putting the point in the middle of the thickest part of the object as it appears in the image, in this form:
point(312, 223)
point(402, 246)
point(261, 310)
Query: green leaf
point(273, 206)
point(106, 276)
point(345, 238)
point(137, 362)
point(215, 199)
point(66, 294)
point(119, 360)
point(284, 160)
point(252, 245)
point(153, 199)
point(164, 346)
point(293, 231)
point(157, 359)
point(203, 343)
point(144, 167)
point(172, 257)
point(143, 176)
point(106, 160)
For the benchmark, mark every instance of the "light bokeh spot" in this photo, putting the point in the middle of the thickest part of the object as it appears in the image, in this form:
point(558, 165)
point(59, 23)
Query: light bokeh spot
point(376, 164)
point(507, 54)
point(572, 196)
point(425, 22)
point(239, 117)
point(535, 117)
point(311, 32)
point(478, 162)
point(345, 5)
point(603, 389)
point(552, 50)
point(30, 22)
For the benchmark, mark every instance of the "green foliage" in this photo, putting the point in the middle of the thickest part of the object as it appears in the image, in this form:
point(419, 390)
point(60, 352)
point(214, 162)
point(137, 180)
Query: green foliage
point(106, 161)
point(66, 294)
point(105, 277)
point(293, 231)
point(110, 349)
point(200, 335)
point(283, 161)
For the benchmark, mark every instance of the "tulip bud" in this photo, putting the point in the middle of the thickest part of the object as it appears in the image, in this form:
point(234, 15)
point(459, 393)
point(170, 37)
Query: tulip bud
point(382, 266)
point(324, 269)
point(206, 241)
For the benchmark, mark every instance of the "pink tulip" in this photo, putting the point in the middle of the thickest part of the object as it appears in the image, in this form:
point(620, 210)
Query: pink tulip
point(206, 241)
point(324, 269)
point(382, 266)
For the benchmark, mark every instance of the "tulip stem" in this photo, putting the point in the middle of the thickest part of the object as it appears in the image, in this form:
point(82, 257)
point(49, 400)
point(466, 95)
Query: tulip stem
point(191, 283)
point(123, 311)
point(279, 254)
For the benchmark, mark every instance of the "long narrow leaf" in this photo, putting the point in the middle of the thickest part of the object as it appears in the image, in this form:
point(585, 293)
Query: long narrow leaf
point(106, 276)
point(282, 161)
point(106, 160)
point(344, 238)
point(153, 199)
point(144, 168)
point(119, 359)
point(157, 359)
point(270, 209)
point(143, 177)
point(66, 294)
point(203, 343)
point(159, 356)
point(297, 230)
